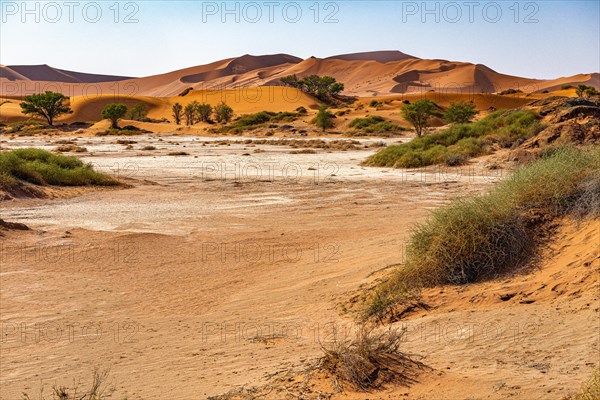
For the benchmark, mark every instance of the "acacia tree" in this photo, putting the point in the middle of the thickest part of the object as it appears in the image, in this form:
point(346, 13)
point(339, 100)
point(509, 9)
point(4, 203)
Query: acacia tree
point(177, 112)
point(48, 105)
point(204, 111)
point(586, 91)
point(138, 112)
point(418, 114)
point(114, 112)
point(460, 113)
point(324, 119)
point(190, 113)
point(223, 113)
point(322, 87)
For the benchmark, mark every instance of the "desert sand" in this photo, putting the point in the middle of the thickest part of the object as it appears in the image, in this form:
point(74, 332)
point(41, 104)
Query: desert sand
point(214, 271)
point(225, 263)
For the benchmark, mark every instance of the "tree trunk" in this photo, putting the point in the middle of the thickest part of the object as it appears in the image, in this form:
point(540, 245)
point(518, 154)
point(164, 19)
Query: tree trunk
point(114, 124)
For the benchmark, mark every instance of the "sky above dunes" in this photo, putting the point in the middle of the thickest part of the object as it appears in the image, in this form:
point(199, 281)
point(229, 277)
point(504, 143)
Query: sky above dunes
point(544, 39)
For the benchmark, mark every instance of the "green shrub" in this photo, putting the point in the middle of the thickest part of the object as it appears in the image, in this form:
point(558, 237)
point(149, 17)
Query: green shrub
point(481, 237)
point(373, 125)
point(41, 167)
point(469, 140)
point(253, 121)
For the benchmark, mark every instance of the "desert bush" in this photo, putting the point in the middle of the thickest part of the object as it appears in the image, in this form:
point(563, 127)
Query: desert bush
point(41, 167)
point(71, 148)
point(460, 113)
point(368, 360)
point(374, 124)
point(324, 118)
point(566, 87)
point(587, 204)
point(586, 91)
point(481, 237)
point(253, 121)
point(510, 91)
point(469, 140)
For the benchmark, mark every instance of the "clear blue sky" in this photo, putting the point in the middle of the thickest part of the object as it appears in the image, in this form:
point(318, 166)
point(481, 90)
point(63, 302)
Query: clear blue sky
point(543, 39)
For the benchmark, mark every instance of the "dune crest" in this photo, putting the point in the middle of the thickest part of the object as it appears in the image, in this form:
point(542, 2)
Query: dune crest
point(376, 73)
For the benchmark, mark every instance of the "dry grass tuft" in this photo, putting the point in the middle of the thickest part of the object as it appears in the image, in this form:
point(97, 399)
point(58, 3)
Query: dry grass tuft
point(369, 360)
point(99, 389)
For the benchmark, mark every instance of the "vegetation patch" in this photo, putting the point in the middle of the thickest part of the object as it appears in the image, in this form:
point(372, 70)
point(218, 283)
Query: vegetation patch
point(99, 389)
point(482, 237)
point(373, 125)
point(71, 148)
point(369, 360)
point(590, 389)
point(460, 141)
point(253, 121)
point(41, 167)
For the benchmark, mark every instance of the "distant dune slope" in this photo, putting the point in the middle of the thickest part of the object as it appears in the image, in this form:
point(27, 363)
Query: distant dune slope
point(364, 74)
point(242, 100)
point(45, 73)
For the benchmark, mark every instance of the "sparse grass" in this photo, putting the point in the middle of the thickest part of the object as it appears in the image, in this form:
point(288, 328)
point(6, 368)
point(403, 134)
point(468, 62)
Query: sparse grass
point(590, 389)
point(369, 360)
point(373, 125)
point(41, 167)
point(99, 389)
point(342, 145)
point(71, 148)
point(122, 132)
point(480, 238)
point(503, 128)
point(253, 121)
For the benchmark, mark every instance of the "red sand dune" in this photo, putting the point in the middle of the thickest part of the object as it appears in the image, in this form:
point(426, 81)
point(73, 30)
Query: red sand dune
point(364, 74)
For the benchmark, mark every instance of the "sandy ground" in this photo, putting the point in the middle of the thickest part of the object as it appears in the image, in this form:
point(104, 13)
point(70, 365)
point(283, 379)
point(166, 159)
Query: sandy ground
point(217, 268)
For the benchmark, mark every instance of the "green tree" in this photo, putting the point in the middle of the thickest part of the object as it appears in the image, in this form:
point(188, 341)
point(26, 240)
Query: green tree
point(223, 113)
point(204, 112)
point(418, 114)
point(138, 112)
point(460, 113)
point(48, 105)
point(190, 113)
point(114, 112)
point(177, 112)
point(324, 118)
point(586, 91)
point(322, 87)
